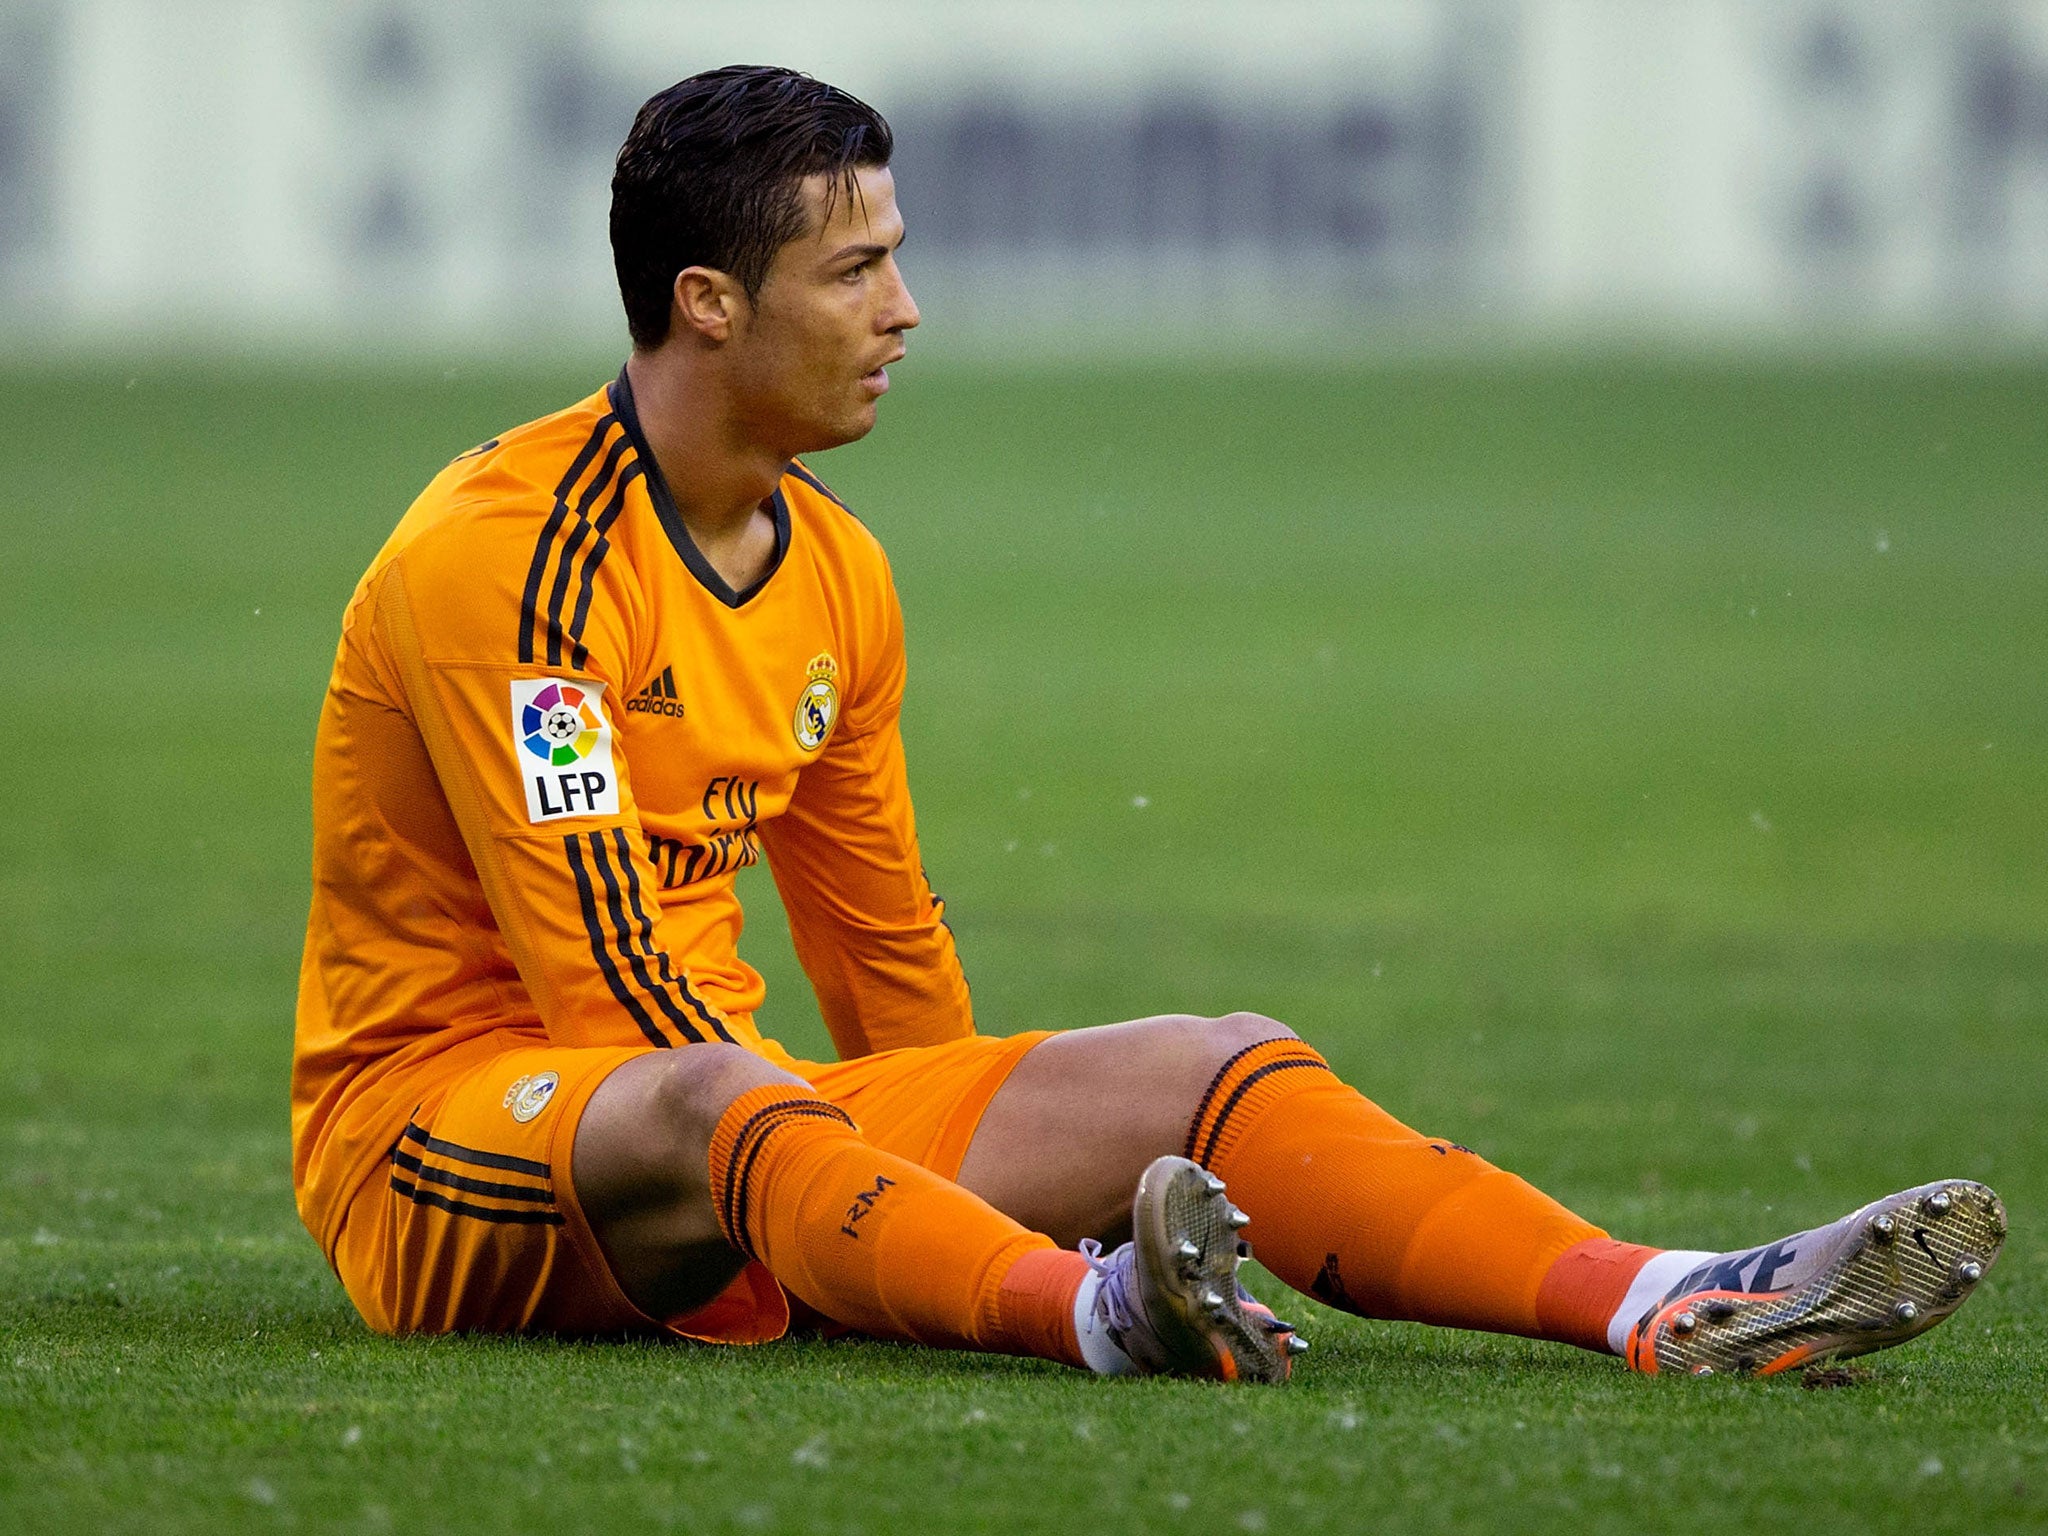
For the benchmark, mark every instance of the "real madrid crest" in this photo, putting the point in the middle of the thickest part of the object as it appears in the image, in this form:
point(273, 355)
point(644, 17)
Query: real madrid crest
point(818, 705)
point(529, 1096)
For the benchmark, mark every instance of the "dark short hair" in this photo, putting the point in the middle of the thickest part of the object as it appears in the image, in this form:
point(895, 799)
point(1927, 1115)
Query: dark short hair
point(712, 176)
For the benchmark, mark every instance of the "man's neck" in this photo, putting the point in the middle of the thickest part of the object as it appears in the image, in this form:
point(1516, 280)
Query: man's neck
point(718, 475)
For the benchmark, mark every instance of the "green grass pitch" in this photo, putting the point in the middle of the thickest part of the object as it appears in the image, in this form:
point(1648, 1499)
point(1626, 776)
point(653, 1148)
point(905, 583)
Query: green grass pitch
point(1637, 772)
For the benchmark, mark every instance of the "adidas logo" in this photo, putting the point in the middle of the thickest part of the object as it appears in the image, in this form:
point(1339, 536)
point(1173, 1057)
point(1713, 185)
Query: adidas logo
point(658, 697)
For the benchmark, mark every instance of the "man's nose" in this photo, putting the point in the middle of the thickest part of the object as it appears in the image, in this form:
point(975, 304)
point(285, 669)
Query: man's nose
point(901, 311)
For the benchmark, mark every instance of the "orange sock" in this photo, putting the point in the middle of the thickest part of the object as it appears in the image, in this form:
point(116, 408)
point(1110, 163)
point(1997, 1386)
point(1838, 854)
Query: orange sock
point(1353, 1207)
point(876, 1242)
point(1584, 1289)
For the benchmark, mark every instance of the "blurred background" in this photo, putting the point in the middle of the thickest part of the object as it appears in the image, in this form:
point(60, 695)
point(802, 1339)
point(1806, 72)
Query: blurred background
point(1286, 175)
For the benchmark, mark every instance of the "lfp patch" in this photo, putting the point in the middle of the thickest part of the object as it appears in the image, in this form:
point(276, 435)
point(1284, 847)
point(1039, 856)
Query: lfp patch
point(564, 746)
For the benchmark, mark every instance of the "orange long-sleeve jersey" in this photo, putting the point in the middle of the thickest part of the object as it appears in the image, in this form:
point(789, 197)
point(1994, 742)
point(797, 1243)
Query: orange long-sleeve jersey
point(552, 737)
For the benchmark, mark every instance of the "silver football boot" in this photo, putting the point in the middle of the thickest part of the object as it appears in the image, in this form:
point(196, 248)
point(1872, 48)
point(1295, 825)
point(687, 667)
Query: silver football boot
point(1169, 1298)
point(1877, 1277)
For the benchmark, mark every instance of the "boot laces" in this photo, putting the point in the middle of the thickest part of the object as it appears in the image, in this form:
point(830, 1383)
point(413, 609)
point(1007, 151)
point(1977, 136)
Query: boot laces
point(1113, 1300)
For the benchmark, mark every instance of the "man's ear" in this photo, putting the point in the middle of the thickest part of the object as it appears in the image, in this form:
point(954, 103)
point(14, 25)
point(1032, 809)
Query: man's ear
point(705, 302)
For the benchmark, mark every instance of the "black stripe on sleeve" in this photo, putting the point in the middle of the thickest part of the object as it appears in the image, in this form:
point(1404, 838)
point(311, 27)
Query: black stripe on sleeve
point(565, 559)
point(645, 927)
point(577, 533)
point(628, 949)
point(600, 948)
point(461, 1154)
point(529, 602)
point(593, 558)
point(530, 599)
point(433, 1175)
point(420, 1196)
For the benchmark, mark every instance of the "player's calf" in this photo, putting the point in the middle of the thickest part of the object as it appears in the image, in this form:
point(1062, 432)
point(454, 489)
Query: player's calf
point(698, 1164)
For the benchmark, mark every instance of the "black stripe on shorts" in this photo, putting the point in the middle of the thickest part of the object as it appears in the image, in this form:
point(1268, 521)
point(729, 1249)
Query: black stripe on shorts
point(462, 1154)
point(432, 1175)
point(420, 1196)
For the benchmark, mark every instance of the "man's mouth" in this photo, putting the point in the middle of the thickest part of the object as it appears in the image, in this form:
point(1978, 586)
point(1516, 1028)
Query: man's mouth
point(877, 379)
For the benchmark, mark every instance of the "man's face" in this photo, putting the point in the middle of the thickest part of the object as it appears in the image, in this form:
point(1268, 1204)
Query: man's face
point(830, 317)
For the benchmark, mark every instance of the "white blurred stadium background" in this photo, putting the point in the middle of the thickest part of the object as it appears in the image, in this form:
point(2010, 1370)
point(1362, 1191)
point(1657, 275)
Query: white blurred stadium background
point(284, 173)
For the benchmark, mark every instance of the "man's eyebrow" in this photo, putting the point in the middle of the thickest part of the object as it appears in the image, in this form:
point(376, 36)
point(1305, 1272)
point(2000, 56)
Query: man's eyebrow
point(866, 252)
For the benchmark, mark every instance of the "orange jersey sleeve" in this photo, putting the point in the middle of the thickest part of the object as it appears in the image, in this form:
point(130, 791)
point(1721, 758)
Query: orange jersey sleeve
point(526, 752)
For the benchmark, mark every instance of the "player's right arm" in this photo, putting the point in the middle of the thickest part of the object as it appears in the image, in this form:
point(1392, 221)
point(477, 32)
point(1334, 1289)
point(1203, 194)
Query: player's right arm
point(505, 641)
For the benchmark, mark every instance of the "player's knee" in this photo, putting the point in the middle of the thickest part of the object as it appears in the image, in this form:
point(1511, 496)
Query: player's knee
point(1235, 1032)
point(1202, 1045)
point(698, 1083)
point(642, 1169)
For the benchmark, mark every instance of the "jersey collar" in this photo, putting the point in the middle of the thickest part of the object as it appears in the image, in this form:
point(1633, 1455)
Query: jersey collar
point(620, 392)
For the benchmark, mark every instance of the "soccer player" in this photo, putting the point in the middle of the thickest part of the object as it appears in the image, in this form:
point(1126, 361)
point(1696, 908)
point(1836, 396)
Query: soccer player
point(613, 656)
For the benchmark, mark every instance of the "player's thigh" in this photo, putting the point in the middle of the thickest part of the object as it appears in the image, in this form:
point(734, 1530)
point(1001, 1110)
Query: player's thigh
point(923, 1103)
point(1061, 1145)
point(473, 1223)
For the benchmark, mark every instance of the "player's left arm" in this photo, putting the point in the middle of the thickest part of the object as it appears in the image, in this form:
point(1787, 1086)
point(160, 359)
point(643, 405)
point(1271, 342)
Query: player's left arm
point(868, 930)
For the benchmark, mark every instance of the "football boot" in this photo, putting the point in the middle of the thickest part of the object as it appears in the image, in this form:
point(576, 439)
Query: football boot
point(1169, 1299)
point(1877, 1277)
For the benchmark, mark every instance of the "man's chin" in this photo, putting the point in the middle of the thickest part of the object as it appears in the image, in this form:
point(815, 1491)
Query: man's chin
point(851, 428)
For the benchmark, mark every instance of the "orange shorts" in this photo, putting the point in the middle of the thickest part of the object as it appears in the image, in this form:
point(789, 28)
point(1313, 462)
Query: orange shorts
point(477, 1227)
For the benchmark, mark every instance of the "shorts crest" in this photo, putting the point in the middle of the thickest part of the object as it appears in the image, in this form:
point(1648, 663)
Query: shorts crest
point(528, 1096)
